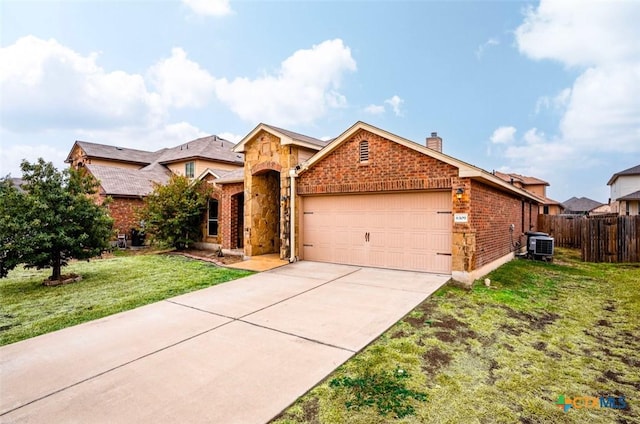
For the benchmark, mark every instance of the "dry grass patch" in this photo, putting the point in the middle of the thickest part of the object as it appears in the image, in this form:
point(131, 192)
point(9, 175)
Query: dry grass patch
point(504, 354)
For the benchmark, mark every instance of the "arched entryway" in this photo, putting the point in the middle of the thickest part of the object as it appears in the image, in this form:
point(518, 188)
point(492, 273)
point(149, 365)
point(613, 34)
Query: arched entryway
point(264, 213)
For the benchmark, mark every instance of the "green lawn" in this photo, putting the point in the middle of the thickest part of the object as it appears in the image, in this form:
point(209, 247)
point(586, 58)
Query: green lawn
point(27, 308)
point(498, 355)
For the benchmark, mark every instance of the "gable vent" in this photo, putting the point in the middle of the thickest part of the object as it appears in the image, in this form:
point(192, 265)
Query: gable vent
point(364, 151)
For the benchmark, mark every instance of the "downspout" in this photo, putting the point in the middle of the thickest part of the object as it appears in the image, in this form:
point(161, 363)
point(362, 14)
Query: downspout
point(292, 217)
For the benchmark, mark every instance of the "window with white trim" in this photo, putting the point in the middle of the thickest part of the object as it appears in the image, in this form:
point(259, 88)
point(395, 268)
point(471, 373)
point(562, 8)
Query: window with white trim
point(190, 169)
point(212, 221)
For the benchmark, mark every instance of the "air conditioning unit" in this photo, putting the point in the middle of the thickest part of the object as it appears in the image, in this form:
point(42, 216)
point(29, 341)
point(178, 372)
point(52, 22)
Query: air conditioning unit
point(539, 246)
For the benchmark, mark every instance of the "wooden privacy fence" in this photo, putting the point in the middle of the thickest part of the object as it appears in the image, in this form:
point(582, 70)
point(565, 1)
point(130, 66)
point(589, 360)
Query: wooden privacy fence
point(566, 230)
point(600, 238)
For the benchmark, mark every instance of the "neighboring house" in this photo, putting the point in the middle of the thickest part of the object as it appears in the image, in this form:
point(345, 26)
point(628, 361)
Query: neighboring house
point(17, 183)
point(371, 198)
point(625, 191)
point(128, 175)
point(582, 206)
point(536, 186)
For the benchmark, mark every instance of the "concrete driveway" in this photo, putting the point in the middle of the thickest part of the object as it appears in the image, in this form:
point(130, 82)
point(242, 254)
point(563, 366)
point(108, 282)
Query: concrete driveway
point(239, 352)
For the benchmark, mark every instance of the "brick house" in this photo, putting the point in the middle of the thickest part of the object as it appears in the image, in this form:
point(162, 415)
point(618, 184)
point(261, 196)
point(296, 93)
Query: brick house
point(537, 187)
point(128, 175)
point(372, 198)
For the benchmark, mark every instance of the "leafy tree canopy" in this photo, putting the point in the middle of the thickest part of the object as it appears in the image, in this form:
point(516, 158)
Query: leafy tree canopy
point(51, 219)
point(173, 212)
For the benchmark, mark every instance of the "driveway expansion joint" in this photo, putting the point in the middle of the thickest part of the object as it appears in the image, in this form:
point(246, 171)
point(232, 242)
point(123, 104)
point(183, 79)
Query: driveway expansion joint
point(298, 336)
point(300, 293)
point(107, 371)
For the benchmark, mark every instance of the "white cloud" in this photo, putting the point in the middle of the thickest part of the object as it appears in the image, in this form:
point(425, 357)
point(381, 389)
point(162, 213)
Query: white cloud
point(502, 135)
point(603, 112)
point(395, 102)
point(12, 156)
point(581, 32)
point(486, 45)
point(374, 109)
point(533, 136)
point(209, 7)
point(600, 112)
point(557, 102)
point(301, 91)
point(181, 82)
point(45, 84)
point(234, 138)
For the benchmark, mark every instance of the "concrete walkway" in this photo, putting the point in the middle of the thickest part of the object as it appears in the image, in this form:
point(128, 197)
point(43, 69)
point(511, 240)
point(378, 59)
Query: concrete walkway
point(260, 263)
point(239, 352)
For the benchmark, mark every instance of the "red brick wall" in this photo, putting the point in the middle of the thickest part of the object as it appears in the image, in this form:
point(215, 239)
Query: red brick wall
point(391, 167)
point(491, 213)
point(123, 211)
point(228, 225)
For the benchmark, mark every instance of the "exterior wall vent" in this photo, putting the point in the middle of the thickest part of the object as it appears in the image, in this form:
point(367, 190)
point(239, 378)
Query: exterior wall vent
point(364, 151)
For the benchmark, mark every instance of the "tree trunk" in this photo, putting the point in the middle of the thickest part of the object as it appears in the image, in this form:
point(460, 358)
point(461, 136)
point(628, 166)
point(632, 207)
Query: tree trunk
point(56, 267)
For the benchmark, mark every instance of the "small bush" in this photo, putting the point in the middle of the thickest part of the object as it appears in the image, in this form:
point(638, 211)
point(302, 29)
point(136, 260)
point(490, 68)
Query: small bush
point(387, 391)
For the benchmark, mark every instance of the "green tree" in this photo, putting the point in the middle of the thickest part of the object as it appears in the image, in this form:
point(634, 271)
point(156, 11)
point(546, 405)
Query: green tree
point(173, 212)
point(51, 220)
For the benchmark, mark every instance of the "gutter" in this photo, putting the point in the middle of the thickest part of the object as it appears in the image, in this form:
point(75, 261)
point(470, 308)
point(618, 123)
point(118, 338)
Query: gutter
point(293, 173)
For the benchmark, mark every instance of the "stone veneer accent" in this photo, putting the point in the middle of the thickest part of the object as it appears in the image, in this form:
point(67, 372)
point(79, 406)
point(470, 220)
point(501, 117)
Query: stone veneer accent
point(266, 194)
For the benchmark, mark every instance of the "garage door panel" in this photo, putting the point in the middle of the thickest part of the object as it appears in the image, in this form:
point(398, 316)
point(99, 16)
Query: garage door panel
point(406, 231)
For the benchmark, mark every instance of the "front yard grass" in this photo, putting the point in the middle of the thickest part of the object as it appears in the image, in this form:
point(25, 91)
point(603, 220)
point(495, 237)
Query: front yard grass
point(502, 354)
point(108, 286)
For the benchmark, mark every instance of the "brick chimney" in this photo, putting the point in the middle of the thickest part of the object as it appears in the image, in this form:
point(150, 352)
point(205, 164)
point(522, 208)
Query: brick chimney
point(434, 142)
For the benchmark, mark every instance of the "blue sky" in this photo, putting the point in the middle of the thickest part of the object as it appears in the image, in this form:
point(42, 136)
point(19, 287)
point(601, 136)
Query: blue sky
point(548, 89)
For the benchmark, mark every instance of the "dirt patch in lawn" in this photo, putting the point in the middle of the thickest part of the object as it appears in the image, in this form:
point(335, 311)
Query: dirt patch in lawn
point(505, 354)
point(434, 360)
point(210, 256)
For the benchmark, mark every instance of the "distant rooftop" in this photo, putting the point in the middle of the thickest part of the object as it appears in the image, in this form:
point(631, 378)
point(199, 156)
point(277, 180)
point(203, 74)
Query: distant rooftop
point(634, 170)
point(129, 182)
point(211, 147)
point(580, 205)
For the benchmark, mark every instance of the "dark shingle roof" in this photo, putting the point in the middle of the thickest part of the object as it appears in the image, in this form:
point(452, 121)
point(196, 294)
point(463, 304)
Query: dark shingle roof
point(212, 147)
point(123, 154)
point(631, 196)
point(300, 137)
point(129, 182)
point(634, 170)
point(582, 204)
point(235, 176)
point(525, 180)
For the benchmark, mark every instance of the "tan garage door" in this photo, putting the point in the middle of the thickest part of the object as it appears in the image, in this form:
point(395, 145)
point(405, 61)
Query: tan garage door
point(410, 231)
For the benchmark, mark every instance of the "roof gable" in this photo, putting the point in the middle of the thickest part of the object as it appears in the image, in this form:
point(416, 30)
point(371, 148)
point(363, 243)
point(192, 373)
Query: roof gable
point(465, 170)
point(634, 170)
point(115, 153)
point(211, 148)
point(285, 136)
point(582, 204)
